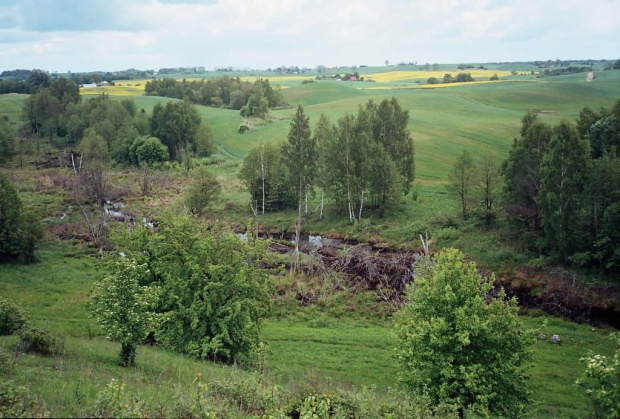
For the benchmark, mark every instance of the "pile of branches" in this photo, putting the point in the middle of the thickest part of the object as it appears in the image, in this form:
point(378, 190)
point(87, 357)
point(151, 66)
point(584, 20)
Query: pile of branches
point(387, 273)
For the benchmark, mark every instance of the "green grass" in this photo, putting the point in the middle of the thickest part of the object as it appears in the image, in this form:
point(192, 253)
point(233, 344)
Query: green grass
point(350, 350)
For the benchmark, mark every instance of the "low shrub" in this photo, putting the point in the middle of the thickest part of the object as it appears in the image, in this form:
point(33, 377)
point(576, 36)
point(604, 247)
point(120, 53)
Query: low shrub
point(12, 317)
point(7, 362)
point(39, 341)
point(16, 401)
point(447, 234)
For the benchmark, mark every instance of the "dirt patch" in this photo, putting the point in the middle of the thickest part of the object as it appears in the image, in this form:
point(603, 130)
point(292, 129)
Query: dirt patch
point(545, 112)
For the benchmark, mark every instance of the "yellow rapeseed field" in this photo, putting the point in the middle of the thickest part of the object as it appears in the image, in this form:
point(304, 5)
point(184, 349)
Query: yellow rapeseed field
point(424, 75)
point(121, 88)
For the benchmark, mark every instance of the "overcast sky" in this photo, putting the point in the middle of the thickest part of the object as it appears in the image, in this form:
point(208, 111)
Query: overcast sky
point(88, 35)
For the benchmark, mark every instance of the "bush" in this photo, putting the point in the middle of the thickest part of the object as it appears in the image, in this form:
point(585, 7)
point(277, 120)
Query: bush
point(12, 317)
point(243, 128)
point(213, 293)
point(202, 192)
point(447, 234)
point(7, 362)
point(39, 341)
point(16, 401)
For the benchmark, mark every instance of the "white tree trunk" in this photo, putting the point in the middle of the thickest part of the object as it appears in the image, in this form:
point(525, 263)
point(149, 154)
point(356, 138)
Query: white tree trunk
point(295, 264)
point(306, 204)
point(321, 215)
point(361, 206)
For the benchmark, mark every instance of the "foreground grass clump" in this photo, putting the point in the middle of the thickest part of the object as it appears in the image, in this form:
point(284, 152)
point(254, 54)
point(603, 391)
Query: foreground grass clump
point(86, 382)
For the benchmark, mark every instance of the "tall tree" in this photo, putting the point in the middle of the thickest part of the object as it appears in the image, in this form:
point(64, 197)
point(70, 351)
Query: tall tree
point(94, 176)
point(521, 171)
point(342, 165)
point(323, 137)
point(461, 181)
point(389, 128)
point(7, 139)
point(563, 172)
point(300, 155)
point(176, 125)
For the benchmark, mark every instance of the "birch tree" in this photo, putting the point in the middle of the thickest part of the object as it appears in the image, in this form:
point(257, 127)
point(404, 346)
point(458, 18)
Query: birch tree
point(323, 137)
point(389, 128)
point(461, 179)
point(300, 156)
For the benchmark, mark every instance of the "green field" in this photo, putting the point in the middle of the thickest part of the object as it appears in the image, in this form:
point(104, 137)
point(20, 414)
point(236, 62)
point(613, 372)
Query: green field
point(351, 352)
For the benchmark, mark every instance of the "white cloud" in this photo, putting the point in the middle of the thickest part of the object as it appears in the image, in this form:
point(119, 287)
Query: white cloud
point(116, 34)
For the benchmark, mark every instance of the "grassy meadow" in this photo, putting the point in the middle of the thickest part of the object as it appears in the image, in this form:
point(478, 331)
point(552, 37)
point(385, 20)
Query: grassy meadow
point(343, 341)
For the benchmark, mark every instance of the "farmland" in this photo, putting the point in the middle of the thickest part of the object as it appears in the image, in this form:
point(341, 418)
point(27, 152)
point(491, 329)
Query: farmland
point(344, 338)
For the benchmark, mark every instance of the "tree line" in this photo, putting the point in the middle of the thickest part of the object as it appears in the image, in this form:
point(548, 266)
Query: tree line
point(58, 114)
point(561, 187)
point(361, 161)
point(252, 99)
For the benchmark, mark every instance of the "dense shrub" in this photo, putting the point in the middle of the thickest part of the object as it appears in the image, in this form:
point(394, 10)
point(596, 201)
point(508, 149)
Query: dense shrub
point(16, 401)
point(202, 192)
point(213, 295)
point(39, 341)
point(12, 317)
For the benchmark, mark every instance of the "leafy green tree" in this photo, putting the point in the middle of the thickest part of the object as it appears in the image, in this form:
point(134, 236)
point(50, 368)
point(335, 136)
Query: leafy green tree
point(39, 78)
point(7, 139)
point(341, 169)
point(461, 181)
point(299, 154)
point(389, 128)
point(42, 112)
point(522, 177)
point(94, 175)
point(10, 217)
point(258, 103)
point(65, 91)
point(563, 173)
point(323, 138)
point(148, 151)
point(264, 174)
point(124, 308)
point(202, 192)
point(213, 293)
point(601, 201)
point(176, 125)
point(31, 234)
point(456, 347)
point(205, 143)
point(603, 131)
point(20, 231)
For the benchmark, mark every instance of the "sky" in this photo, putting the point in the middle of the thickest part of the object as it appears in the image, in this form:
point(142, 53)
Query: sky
point(108, 35)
